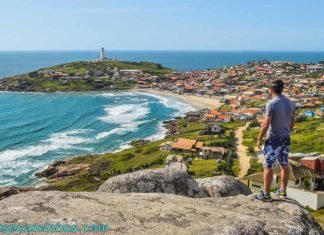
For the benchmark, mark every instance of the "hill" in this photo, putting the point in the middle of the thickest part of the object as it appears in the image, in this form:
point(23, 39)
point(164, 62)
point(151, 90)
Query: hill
point(84, 76)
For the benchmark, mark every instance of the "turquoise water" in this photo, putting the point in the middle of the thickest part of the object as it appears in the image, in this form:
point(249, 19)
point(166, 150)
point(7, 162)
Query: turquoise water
point(36, 128)
point(19, 62)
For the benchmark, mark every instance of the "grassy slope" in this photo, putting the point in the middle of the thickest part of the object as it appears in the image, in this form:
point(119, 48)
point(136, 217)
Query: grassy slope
point(308, 138)
point(203, 168)
point(41, 83)
point(103, 166)
point(83, 66)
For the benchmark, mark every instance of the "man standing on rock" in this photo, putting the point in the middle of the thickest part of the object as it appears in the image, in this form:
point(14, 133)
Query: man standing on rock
point(278, 122)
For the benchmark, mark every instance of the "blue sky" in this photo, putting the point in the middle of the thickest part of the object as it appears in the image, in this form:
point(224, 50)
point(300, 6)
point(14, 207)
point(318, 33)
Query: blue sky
point(281, 25)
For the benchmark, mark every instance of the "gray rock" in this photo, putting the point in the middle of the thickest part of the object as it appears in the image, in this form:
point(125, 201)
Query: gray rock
point(137, 213)
point(223, 186)
point(164, 180)
point(174, 181)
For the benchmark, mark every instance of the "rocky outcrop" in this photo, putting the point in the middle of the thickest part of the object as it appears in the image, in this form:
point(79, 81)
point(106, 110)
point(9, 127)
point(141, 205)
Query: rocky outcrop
point(174, 181)
point(165, 180)
point(8, 191)
point(151, 213)
point(61, 169)
point(223, 186)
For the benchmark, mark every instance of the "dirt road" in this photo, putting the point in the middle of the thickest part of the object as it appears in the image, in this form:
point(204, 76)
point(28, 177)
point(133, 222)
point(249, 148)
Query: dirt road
point(242, 151)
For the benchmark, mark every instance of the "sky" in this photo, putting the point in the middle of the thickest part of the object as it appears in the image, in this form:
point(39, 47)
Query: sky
point(248, 25)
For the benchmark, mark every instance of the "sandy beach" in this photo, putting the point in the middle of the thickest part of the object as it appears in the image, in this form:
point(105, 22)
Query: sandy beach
point(198, 102)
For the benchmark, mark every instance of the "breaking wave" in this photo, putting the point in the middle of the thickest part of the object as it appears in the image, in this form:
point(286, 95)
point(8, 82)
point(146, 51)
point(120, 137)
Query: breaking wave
point(56, 141)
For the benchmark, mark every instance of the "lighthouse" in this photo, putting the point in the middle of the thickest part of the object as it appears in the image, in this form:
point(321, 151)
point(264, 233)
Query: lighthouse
point(102, 54)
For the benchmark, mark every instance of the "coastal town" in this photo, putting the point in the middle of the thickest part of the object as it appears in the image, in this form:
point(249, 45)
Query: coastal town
point(219, 137)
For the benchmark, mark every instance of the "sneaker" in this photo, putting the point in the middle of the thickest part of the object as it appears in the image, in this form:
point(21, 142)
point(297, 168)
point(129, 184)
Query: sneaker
point(281, 193)
point(263, 197)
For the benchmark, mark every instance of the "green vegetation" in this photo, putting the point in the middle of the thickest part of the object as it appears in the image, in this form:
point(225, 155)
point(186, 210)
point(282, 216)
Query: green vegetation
point(309, 137)
point(148, 155)
point(234, 125)
point(225, 108)
point(84, 66)
point(203, 168)
point(318, 215)
point(104, 166)
point(255, 103)
point(84, 76)
point(255, 166)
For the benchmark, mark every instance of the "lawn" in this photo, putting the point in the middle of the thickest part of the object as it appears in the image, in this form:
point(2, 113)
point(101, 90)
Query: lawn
point(203, 168)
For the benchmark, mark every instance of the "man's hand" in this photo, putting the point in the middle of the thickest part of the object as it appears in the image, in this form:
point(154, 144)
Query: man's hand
point(259, 144)
point(263, 131)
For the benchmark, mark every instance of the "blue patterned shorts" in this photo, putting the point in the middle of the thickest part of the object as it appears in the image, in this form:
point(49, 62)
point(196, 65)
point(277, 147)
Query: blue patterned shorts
point(276, 150)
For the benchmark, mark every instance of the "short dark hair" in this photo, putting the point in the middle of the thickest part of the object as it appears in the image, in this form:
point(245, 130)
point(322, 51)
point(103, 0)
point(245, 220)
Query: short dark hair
point(277, 86)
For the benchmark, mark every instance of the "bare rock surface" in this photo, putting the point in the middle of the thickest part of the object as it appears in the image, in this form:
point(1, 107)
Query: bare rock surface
point(151, 213)
point(164, 180)
point(223, 186)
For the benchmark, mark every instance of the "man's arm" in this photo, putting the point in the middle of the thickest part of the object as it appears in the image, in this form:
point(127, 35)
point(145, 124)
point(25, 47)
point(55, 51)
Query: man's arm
point(264, 129)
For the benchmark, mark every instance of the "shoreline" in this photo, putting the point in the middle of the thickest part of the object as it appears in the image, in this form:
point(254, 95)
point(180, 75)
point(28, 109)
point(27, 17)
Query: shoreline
point(197, 102)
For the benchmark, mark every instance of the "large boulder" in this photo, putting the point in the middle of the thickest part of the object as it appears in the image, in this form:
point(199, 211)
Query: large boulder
point(174, 181)
point(152, 213)
point(223, 186)
point(164, 180)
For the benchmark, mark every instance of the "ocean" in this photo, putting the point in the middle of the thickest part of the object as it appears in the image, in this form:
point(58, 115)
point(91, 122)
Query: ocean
point(37, 129)
point(12, 63)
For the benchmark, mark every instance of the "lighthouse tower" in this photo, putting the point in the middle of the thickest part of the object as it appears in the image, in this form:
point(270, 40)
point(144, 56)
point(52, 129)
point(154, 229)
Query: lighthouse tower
point(102, 54)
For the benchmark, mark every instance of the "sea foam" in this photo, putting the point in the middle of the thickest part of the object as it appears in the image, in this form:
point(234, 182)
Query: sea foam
point(56, 141)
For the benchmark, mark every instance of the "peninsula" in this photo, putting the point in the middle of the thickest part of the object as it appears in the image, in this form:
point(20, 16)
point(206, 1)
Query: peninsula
point(101, 75)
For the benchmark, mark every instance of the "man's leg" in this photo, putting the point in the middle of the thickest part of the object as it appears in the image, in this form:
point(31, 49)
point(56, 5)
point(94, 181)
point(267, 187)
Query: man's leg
point(269, 160)
point(284, 168)
point(267, 178)
point(284, 177)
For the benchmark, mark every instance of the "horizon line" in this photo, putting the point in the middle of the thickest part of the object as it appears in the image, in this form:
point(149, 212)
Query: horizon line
point(159, 50)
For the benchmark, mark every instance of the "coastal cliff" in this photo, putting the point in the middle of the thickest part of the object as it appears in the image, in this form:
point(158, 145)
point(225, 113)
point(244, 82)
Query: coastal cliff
point(160, 213)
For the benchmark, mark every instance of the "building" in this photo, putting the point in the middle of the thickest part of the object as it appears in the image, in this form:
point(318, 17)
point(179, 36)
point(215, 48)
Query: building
point(193, 115)
point(103, 55)
point(213, 152)
point(187, 145)
point(316, 163)
point(313, 68)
